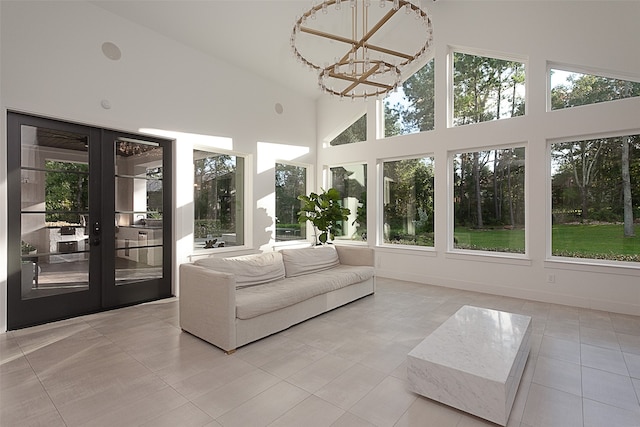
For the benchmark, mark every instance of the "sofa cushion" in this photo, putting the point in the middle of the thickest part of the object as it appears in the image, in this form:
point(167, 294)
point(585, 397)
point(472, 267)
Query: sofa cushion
point(309, 260)
point(273, 296)
point(249, 270)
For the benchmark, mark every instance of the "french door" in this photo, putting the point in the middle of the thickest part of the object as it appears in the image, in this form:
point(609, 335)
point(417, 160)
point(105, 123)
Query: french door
point(89, 213)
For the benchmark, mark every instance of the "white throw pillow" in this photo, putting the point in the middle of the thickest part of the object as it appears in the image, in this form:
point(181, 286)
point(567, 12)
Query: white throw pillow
point(250, 270)
point(309, 260)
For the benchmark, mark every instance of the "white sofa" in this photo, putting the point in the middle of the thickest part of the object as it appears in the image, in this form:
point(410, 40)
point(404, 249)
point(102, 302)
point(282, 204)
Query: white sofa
point(231, 302)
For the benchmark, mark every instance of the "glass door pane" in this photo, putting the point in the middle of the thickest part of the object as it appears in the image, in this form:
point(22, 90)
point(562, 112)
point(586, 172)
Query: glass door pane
point(54, 200)
point(139, 209)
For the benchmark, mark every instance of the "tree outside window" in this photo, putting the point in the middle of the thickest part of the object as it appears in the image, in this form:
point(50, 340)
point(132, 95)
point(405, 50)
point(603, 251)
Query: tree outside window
point(596, 198)
point(486, 89)
point(408, 216)
point(218, 196)
point(356, 132)
point(570, 89)
point(488, 200)
point(351, 183)
point(291, 182)
point(410, 109)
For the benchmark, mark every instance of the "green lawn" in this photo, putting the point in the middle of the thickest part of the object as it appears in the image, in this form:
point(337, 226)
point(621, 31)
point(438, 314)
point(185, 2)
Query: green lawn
point(600, 241)
point(490, 239)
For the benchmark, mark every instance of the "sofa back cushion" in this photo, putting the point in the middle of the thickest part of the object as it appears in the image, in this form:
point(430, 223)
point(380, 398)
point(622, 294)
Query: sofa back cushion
point(250, 270)
point(309, 260)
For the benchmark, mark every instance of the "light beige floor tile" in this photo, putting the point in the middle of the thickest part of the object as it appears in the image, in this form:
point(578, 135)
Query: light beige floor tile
point(266, 407)
point(636, 385)
point(629, 343)
point(612, 389)
point(388, 357)
point(14, 372)
point(558, 374)
point(351, 386)
point(312, 412)
point(598, 414)
point(187, 415)
point(108, 397)
point(596, 320)
point(70, 384)
point(547, 407)
point(351, 420)
point(319, 373)
point(568, 351)
point(25, 401)
point(626, 324)
point(287, 365)
point(562, 330)
point(224, 399)
point(603, 359)
point(225, 371)
point(386, 403)
point(265, 350)
point(423, 409)
point(564, 313)
point(9, 348)
point(599, 337)
point(48, 418)
point(633, 364)
point(139, 411)
point(357, 349)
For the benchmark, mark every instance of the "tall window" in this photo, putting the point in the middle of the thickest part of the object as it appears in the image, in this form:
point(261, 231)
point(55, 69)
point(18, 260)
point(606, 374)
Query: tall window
point(486, 89)
point(351, 182)
point(489, 203)
point(410, 109)
point(408, 217)
point(291, 182)
point(570, 89)
point(218, 197)
point(596, 198)
point(356, 132)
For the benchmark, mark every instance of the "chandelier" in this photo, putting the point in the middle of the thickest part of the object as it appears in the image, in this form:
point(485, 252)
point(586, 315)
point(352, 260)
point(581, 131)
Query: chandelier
point(359, 49)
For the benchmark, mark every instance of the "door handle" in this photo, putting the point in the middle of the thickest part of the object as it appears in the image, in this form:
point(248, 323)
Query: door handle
point(96, 231)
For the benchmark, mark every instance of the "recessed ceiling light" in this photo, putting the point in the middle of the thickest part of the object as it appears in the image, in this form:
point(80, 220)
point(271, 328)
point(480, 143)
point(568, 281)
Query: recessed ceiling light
point(111, 51)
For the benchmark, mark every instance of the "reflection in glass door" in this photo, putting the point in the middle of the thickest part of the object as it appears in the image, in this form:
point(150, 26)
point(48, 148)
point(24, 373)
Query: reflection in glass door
point(138, 211)
point(54, 190)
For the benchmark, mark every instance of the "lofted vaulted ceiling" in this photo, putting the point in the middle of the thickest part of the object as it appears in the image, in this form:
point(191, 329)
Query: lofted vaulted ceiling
point(250, 34)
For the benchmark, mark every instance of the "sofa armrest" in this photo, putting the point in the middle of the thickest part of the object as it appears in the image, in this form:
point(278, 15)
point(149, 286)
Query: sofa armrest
point(356, 255)
point(207, 301)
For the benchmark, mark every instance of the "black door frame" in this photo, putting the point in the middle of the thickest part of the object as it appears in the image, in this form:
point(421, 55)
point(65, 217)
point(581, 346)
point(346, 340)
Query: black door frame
point(102, 294)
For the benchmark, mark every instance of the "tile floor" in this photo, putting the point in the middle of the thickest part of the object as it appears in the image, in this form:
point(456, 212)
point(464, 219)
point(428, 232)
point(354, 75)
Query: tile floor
point(134, 367)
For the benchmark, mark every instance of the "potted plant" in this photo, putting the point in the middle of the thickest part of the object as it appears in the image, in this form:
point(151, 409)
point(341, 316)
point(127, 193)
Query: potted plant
point(27, 248)
point(324, 212)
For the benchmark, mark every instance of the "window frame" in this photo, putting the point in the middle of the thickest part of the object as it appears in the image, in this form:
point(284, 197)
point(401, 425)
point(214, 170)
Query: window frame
point(247, 215)
point(327, 175)
point(379, 232)
point(308, 186)
point(453, 49)
point(580, 69)
point(511, 257)
point(574, 263)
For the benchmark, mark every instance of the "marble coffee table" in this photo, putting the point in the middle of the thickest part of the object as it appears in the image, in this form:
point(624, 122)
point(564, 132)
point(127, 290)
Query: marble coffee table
point(473, 362)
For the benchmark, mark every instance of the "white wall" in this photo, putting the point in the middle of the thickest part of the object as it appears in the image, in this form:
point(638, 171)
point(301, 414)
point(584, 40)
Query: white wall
point(52, 65)
point(599, 35)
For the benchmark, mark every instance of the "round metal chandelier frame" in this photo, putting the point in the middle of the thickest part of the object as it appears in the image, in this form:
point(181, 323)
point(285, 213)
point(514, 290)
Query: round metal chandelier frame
point(365, 69)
